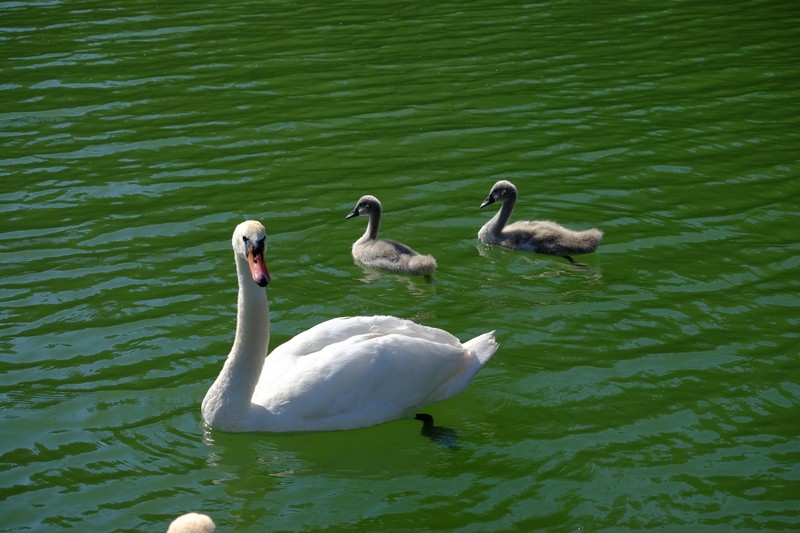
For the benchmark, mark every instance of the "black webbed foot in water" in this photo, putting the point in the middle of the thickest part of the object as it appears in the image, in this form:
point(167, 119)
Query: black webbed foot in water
point(439, 434)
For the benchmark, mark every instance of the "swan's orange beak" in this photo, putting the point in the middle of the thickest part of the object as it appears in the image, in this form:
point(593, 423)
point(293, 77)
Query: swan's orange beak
point(258, 267)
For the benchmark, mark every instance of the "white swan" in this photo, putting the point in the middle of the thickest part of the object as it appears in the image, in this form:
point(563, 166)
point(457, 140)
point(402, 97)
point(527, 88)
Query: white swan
point(341, 374)
point(540, 236)
point(383, 253)
point(192, 523)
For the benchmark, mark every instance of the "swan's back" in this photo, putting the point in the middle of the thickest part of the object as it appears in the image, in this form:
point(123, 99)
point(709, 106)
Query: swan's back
point(360, 371)
point(340, 329)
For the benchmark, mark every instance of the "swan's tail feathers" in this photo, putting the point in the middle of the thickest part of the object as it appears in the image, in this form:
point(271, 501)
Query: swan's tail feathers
point(483, 346)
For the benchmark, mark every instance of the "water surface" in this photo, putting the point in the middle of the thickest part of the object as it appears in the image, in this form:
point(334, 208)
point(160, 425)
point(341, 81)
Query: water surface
point(653, 387)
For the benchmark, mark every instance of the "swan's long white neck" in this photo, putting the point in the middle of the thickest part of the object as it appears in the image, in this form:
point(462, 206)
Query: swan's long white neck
point(228, 402)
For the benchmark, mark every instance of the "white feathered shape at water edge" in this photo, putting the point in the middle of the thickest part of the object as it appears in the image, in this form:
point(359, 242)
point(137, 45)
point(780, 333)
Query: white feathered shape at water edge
point(192, 523)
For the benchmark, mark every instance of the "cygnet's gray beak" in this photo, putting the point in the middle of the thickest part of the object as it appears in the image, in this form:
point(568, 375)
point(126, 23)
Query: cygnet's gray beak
point(489, 200)
point(353, 213)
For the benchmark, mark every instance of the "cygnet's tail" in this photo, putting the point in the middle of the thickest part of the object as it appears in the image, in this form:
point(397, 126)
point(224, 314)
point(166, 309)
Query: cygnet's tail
point(581, 242)
point(483, 346)
point(422, 265)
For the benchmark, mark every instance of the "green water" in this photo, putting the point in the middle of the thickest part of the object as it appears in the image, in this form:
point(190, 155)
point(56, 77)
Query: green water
point(655, 387)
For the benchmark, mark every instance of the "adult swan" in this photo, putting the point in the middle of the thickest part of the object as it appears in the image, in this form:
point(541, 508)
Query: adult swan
point(344, 373)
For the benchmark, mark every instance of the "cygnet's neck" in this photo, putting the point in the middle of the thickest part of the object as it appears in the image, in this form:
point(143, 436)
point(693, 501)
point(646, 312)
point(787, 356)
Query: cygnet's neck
point(372, 227)
point(499, 221)
point(228, 401)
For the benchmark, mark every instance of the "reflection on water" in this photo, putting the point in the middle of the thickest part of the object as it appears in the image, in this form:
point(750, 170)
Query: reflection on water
point(419, 286)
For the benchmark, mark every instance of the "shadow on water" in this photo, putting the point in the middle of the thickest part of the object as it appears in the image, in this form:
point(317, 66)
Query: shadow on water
point(534, 266)
point(391, 449)
point(488, 250)
point(295, 477)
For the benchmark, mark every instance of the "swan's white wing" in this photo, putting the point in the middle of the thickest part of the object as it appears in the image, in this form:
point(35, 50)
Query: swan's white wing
point(364, 379)
point(343, 328)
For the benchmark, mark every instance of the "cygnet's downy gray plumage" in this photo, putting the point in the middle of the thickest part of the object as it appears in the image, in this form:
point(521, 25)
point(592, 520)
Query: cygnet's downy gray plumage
point(383, 253)
point(540, 236)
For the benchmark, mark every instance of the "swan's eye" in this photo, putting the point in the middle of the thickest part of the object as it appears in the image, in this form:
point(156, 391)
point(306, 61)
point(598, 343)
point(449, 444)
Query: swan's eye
point(246, 240)
point(259, 247)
